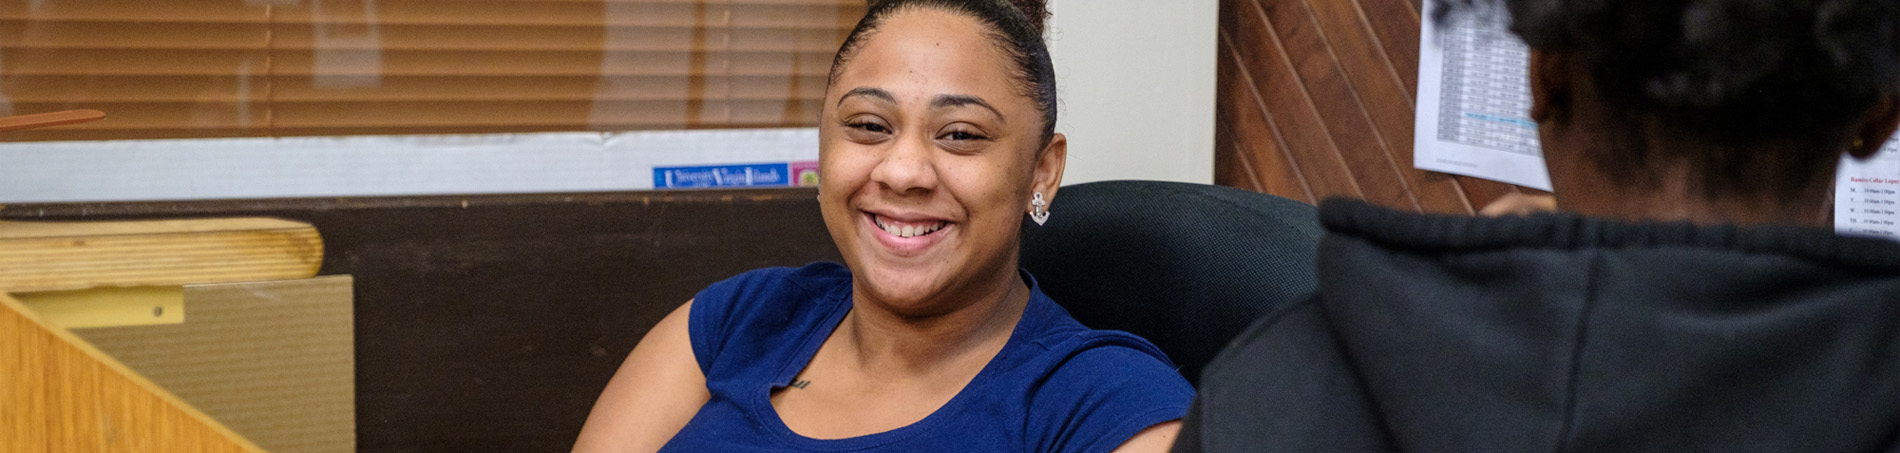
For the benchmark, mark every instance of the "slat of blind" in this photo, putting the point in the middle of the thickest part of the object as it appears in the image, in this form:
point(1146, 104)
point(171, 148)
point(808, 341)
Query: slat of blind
point(555, 12)
point(158, 120)
point(163, 115)
point(179, 89)
point(134, 88)
point(563, 88)
point(211, 35)
point(168, 63)
point(522, 63)
point(132, 35)
point(554, 38)
point(498, 13)
point(136, 10)
point(403, 115)
point(484, 13)
point(107, 62)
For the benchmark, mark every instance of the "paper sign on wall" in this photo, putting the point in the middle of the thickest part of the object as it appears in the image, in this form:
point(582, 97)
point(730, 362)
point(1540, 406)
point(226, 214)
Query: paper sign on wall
point(789, 174)
point(1474, 120)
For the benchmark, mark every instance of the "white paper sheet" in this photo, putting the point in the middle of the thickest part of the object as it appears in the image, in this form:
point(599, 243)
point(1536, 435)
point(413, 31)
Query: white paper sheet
point(1473, 120)
point(1867, 195)
point(1474, 104)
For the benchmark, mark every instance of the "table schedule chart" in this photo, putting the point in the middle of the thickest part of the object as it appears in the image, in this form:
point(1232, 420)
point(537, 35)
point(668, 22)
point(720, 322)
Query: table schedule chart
point(1867, 195)
point(1485, 93)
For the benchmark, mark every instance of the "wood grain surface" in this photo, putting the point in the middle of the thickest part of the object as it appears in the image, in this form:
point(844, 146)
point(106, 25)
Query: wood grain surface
point(1316, 100)
point(53, 256)
point(59, 394)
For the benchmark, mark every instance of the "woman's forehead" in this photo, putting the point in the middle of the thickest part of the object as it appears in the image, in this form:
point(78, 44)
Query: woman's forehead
point(920, 55)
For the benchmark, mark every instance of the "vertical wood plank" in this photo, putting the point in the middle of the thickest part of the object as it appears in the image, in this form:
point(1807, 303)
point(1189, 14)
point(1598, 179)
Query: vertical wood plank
point(60, 394)
point(1381, 93)
point(20, 374)
point(1245, 132)
point(1396, 26)
point(1336, 82)
point(1296, 122)
point(1229, 171)
point(1231, 166)
point(1332, 99)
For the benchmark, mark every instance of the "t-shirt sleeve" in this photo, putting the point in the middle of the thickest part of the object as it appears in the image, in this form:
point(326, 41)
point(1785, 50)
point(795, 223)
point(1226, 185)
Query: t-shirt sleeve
point(711, 319)
point(1104, 395)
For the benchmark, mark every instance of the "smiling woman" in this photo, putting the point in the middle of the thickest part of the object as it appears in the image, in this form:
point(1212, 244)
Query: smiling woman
point(936, 138)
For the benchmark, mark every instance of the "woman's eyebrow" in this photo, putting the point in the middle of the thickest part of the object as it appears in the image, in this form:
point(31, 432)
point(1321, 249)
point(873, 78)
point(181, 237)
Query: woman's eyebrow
point(876, 93)
point(944, 101)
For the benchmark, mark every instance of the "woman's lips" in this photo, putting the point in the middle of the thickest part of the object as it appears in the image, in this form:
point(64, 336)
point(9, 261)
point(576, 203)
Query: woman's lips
point(907, 236)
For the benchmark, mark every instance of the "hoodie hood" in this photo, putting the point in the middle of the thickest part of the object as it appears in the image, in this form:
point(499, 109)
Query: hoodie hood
point(1566, 333)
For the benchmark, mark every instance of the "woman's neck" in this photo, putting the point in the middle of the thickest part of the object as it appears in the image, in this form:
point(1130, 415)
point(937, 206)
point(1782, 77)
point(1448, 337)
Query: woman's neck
point(1679, 205)
point(1674, 193)
point(883, 341)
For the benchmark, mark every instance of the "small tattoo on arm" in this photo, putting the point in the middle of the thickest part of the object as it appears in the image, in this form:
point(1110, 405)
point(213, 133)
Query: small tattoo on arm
point(800, 384)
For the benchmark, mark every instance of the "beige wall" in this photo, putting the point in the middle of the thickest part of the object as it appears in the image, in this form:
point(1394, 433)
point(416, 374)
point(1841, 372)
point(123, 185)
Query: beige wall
point(1137, 88)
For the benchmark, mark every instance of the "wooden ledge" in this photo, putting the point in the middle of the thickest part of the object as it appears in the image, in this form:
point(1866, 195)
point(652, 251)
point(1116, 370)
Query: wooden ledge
point(57, 256)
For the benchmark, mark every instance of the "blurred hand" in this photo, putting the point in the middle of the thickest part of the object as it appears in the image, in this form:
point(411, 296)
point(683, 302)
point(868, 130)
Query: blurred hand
point(1519, 204)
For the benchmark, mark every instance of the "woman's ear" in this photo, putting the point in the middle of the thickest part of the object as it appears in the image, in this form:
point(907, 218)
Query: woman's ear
point(1550, 80)
point(1878, 126)
point(1048, 170)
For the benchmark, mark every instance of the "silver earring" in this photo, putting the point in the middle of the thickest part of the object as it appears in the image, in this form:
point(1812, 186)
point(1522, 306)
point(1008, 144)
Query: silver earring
point(1039, 209)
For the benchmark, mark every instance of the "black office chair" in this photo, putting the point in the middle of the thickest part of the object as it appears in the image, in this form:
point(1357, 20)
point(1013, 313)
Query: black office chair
point(1187, 266)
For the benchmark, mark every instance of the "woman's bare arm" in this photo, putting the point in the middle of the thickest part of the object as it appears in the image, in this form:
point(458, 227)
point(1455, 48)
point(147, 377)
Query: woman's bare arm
point(1158, 438)
point(655, 392)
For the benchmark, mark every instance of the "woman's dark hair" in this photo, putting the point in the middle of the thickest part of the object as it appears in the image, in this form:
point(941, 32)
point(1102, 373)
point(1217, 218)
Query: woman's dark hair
point(1014, 25)
point(1729, 71)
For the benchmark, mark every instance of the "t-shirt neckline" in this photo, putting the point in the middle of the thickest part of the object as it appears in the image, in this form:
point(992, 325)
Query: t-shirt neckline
point(840, 299)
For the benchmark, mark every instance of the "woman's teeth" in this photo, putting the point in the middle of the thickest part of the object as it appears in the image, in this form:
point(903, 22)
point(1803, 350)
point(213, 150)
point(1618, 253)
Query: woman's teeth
point(909, 231)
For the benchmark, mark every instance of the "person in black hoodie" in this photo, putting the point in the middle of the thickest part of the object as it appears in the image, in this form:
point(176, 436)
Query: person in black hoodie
point(1686, 297)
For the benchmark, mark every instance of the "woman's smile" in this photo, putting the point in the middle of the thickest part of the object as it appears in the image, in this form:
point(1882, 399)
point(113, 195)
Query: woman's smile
point(906, 234)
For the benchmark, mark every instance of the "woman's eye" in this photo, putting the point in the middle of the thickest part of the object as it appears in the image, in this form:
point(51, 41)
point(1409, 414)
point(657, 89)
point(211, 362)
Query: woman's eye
point(961, 135)
point(870, 127)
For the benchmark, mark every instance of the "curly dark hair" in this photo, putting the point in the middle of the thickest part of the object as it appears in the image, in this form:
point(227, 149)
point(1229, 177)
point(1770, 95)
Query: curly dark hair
point(1015, 26)
point(1731, 71)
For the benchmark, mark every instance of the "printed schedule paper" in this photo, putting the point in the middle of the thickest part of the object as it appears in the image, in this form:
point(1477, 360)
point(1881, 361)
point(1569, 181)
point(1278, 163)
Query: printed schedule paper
point(1867, 195)
point(1474, 119)
point(1474, 103)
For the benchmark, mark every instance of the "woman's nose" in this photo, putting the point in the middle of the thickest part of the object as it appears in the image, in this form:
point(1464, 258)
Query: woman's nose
point(907, 167)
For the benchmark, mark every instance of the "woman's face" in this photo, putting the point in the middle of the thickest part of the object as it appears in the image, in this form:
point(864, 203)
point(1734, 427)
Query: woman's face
point(929, 154)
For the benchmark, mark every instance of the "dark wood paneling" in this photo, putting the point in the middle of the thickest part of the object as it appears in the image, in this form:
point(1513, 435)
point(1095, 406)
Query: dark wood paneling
point(1290, 114)
point(1316, 99)
point(1253, 157)
point(490, 323)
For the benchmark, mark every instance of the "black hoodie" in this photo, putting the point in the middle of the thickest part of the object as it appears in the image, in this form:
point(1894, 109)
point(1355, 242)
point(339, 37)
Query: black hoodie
point(1563, 333)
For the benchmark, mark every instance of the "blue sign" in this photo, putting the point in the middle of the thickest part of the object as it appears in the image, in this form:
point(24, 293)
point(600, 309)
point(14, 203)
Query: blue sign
point(709, 176)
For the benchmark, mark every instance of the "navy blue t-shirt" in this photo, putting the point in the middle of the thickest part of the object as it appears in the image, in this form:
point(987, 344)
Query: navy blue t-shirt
point(1056, 386)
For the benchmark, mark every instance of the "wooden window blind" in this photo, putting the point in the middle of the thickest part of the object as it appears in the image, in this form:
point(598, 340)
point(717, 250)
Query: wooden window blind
point(260, 68)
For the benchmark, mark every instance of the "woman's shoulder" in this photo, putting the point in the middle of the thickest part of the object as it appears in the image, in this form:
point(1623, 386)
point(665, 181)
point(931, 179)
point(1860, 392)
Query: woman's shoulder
point(1097, 388)
point(1089, 357)
point(764, 303)
point(1053, 333)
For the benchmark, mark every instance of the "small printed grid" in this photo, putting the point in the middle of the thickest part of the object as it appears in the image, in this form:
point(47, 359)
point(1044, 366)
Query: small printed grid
point(1486, 100)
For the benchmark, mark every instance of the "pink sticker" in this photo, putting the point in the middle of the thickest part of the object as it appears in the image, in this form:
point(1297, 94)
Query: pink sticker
point(805, 174)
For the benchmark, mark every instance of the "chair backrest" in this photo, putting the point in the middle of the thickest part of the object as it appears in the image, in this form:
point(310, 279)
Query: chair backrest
point(1187, 266)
